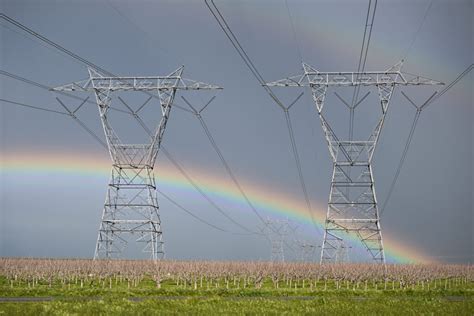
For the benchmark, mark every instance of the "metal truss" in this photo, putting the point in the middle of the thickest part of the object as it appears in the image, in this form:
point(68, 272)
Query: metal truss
point(312, 77)
point(276, 231)
point(131, 205)
point(308, 250)
point(352, 205)
point(342, 253)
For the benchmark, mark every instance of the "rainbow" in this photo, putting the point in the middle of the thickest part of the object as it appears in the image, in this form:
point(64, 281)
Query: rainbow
point(265, 199)
point(170, 180)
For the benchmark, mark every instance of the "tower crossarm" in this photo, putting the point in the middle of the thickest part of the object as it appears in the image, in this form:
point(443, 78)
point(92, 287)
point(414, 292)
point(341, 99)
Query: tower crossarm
point(165, 88)
point(312, 77)
point(153, 83)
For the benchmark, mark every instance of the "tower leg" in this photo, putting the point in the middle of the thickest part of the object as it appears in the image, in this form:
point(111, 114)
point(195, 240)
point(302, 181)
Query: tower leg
point(352, 208)
point(131, 208)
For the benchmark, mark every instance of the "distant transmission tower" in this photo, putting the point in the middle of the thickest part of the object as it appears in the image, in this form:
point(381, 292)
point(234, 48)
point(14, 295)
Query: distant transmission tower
point(352, 206)
point(308, 250)
point(131, 205)
point(276, 231)
point(342, 253)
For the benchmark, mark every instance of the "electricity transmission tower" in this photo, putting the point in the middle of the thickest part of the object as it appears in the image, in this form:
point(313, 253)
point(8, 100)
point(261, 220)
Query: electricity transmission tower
point(342, 253)
point(131, 205)
point(276, 231)
point(352, 205)
point(308, 250)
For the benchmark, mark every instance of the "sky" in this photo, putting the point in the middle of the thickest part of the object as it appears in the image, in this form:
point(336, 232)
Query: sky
point(53, 175)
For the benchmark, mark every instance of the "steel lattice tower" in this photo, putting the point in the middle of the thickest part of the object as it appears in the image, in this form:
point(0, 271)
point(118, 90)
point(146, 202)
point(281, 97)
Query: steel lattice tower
point(352, 205)
point(131, 205)
point(308, 250)
point(276, 231)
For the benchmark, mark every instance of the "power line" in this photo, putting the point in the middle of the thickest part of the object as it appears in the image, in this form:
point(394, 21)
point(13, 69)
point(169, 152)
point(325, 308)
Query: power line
point(75, 57)
point(234, 41)
point(413, 128)
point(298, 166)
point(88, 63)
point(418, 30)
point(402, 160)
point(362, 62)
point(84, 126)
point(183, 172)
point(29, 37)
point(455, 81)
point(62, 49)
point(294, 31)
point(203, 194)
point(69, 113)
point(417, 114)
point(223, 160)
point(253, 69)
point(189, 212)
point(48, 88)
point(33, 107)
point(138, 27)
point(172, 201)
point(135, 115)
point(34, 83)
point(51, 43)
point(103, 144)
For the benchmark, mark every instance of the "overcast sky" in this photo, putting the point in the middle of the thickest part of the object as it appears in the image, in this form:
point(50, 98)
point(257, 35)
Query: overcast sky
point(57, 214)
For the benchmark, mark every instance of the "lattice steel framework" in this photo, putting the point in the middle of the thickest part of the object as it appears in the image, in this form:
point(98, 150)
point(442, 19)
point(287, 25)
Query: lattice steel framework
point(131, 205)
point(308, 250)
point(352, 205)
point(342, 252)
point(276, 230)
